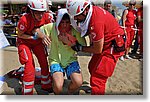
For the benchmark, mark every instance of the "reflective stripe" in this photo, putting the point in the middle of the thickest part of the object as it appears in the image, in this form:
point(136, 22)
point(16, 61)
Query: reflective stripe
point(28, 90)
point(45, 82)
point(28, 83)
point(25, 53)
point(103, 10)
point(44, 76)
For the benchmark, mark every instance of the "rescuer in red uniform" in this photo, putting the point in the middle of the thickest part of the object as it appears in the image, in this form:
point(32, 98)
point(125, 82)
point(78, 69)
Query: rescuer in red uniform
point(28, 43)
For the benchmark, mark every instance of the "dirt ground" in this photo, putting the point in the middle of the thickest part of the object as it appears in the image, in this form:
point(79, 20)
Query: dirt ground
point(127, 78)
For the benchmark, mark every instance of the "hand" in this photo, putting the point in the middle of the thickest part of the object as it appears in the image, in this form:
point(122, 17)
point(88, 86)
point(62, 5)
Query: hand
point(46, 40)
point(67, 39)
point(64, 39)
point(77, 47)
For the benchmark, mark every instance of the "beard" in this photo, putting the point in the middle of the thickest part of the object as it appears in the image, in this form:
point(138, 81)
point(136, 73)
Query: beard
point(81, 20)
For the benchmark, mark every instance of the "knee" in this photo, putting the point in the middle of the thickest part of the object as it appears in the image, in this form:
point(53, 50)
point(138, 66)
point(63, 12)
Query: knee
point(79, 83)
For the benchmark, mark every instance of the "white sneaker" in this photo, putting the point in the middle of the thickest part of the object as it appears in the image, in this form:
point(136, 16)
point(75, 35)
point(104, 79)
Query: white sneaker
point(141, 59)
point(121, 58)
point(128, 57)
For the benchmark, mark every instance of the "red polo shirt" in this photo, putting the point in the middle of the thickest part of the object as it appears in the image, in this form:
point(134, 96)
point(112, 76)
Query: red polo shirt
point(131, 16)
point(27, 23)
point(103, 25)
point(140, 13)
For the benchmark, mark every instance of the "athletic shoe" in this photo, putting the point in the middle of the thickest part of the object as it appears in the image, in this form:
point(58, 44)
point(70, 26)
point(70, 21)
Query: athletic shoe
point(128, 57)
point(121, 58)
point(141, 59)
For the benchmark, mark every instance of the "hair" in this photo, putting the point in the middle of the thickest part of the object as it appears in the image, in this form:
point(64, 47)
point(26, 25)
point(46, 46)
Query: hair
point(107, 2)
point(65, 17)
point(132, 2)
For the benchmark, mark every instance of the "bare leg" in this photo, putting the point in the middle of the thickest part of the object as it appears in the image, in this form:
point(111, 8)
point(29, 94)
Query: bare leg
point(58, 81)
point(76, 82)
point(127, 50)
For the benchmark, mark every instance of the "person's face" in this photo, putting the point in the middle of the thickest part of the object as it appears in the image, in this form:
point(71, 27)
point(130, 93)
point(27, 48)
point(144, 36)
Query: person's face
point(65, 24)
point(81, 17)
point(38, 15)
point(108, 7)
point(132, 6)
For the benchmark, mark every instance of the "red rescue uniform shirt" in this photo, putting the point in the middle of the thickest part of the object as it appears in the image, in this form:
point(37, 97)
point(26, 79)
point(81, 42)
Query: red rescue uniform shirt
point(140, 13)
point(103, 25)
point(130, 23)
point(27, 23)
point(131, 16)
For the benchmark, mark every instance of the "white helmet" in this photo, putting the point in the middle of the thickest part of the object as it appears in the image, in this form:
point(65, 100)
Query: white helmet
point(37, 5)
point(76, 7)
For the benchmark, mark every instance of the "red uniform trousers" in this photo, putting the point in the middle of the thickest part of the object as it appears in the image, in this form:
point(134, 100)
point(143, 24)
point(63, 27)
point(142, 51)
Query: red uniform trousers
point(101, 67)
point(130, 36)
point(140, 35)
point(25, 56)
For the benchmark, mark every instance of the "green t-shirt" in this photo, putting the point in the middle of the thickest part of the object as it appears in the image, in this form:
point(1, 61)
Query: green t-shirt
point(60, 53)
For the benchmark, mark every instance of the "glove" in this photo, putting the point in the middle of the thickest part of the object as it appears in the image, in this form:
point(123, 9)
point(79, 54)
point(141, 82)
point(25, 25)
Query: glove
point(35, 37)
point(77, 47)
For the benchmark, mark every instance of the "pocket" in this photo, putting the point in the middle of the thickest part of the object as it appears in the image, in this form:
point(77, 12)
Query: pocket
point(106, 66)
point(119, 43)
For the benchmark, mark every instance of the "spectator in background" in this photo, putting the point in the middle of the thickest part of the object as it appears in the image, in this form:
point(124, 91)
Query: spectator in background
point(108, 7)
point(24, 10)
point(140, 27)
point(51, 13)
point(128, 21)
point(7, 20)
point(15, 20)
point(139, 34)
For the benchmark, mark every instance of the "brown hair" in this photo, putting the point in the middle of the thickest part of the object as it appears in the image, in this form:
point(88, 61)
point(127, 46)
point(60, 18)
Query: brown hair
point(65, 17)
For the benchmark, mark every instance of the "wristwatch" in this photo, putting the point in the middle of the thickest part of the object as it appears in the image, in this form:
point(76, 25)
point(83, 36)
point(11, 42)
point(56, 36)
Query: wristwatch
point(35, 36)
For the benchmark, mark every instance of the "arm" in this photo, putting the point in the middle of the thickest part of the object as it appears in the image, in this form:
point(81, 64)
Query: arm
point(124, 19)
point(139, 19)
point(22, 35)
point(22, 29)
point(95, 48)
point(46, 40)
point(139, 16)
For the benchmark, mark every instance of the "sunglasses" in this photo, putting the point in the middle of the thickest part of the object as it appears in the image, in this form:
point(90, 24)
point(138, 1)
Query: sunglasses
point(108, 6)
point(132, 4)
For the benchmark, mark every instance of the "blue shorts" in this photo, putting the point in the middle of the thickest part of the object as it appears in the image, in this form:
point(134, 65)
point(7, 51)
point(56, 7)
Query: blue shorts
point(73, 67)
